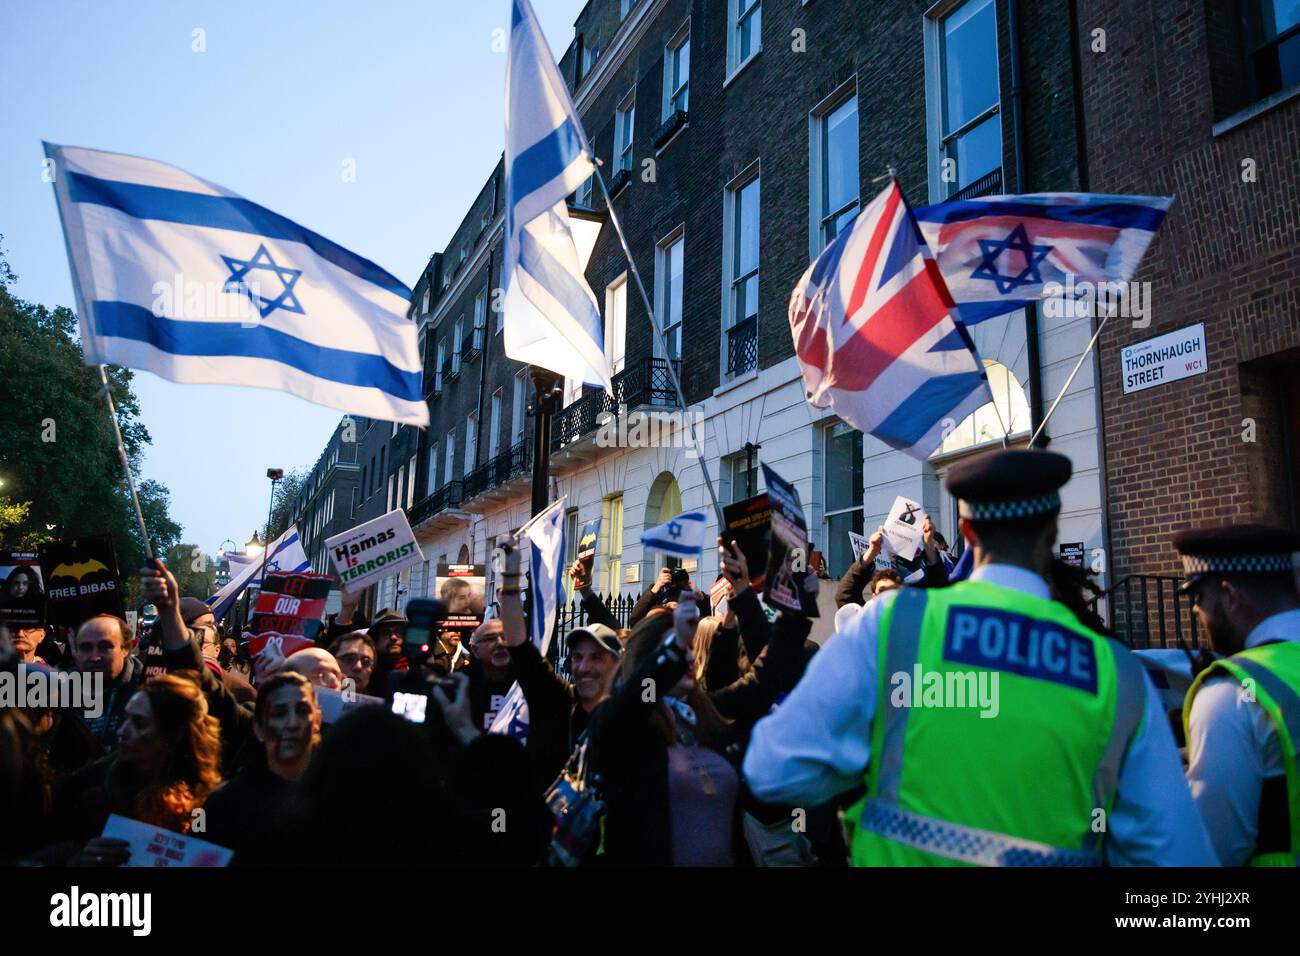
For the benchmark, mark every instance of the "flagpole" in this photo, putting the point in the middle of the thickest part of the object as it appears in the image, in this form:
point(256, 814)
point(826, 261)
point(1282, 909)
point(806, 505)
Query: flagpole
point(660, 341)
point(1064, 388)
point(126, 464)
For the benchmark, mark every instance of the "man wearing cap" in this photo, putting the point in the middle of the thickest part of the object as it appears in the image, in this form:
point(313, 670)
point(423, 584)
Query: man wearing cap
point(557, 713)
point(1242, 713)
point(989, 726)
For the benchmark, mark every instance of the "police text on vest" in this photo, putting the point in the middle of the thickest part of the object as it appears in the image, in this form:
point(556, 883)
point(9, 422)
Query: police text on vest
point(1027, 646)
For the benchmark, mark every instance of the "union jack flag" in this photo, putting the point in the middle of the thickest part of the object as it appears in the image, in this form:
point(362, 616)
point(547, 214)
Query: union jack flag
point(875, 336)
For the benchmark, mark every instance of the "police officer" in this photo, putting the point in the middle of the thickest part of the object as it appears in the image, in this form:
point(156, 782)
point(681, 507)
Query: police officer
point(1242, 713)
point(990, 727)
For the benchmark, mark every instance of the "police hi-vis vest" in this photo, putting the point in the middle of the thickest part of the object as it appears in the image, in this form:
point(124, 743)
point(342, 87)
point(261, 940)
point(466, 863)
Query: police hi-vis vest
point(1023, 776)
point(1272, 673)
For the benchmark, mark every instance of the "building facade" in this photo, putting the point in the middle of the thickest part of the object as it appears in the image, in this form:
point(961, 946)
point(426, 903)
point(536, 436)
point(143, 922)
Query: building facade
point(737, 138)
point(1201, 103)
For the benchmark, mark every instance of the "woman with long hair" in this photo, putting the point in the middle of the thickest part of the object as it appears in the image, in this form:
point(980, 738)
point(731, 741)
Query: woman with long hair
point(165, 766)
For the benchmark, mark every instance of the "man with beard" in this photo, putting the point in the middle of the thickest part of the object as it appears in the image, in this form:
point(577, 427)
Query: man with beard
point(246, 813)
point(387, 630)
point(26, 640)
point(1242, 713)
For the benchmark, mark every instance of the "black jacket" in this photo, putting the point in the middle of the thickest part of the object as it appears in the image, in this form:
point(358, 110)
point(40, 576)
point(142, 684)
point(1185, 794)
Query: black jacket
point(555, 718)
point(246, 815)
point(629, 753)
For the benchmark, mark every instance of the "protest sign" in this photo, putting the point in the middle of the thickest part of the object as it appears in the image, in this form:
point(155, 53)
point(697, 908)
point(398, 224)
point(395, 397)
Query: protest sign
point(788, 557)
point(720, 598)
point(374, 550)
point(859, 543)
point(154, 846)
point(81, 580)
point(462, 588)
point(22, 595)
point(748, 523)
point(1072, 554)
point(292, 603)
point(903, 527)
point(587, 552)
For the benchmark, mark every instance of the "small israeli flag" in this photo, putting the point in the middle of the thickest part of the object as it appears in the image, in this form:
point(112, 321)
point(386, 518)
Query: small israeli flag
point(683, 536)
point(180, 277)
point(551, 316)
point(286, 554)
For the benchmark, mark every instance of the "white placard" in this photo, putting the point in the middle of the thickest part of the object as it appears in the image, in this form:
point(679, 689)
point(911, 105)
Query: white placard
point(1166, 358)
point(859, 543)
point(154, 846)
point(374, 550)
point(903, 527)
point(334, 705)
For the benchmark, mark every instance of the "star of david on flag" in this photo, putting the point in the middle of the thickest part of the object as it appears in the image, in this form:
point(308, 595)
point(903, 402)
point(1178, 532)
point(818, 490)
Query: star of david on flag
point(682, 536)
point(1000, 253)
point(239, 281)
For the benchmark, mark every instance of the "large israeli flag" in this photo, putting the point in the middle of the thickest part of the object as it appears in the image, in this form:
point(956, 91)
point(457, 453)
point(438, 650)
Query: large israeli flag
point(551, 315)
point(545, 534)
point(178, 276)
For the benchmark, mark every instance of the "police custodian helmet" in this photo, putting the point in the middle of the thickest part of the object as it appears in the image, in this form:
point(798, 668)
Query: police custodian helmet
point(1009, 484)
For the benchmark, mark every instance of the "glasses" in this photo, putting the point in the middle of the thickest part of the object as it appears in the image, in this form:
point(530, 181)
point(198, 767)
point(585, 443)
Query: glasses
point(365, 660)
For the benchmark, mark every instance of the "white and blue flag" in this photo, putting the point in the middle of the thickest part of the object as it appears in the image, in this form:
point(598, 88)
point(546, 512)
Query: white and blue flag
point(683, 536)
point(1000, 253)
point(185, 279)
point(545, 534)
point(285, 553)
point(552, 319)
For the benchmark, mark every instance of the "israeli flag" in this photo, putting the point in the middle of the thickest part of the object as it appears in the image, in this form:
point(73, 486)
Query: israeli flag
point(545, 534)
point(551, 315)
point(285, 554)
point(180, 277)
point(683, 536)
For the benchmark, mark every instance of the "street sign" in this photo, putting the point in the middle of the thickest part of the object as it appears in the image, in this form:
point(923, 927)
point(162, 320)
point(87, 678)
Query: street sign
point(1165, 358)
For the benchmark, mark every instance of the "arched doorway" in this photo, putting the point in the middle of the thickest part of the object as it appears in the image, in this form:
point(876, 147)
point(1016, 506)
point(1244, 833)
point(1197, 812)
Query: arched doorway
point(662, 503)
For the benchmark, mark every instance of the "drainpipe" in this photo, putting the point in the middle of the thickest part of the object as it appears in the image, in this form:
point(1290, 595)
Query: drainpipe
point(487, 334)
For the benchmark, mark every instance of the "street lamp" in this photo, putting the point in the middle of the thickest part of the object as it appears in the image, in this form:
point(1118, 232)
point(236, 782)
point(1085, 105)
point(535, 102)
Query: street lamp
point(254, 546)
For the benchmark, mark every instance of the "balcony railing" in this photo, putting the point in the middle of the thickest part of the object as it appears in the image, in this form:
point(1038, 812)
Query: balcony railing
point(644, 383)
point(1148, 610)
point(990, 184)
point(450, 369)
point(448, 496)
point(742, 347)
point(668, 129)
point(508, 464)
point(471, 344)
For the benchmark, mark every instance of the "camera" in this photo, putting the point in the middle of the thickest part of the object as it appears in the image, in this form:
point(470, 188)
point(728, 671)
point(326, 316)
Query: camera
point(423, 615)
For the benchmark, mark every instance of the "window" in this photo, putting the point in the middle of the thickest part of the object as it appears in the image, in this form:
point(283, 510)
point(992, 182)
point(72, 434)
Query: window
point(424, 310)
point(843, 511)
point(624, 7)
point(616, 324)
point(590, 54)
point(410, 485)
point(570, 549)
point(740, 472)
point(392, 483)
point(744, 40)
point(352, 509)
point(572, 391)
point(471, 438)
point(383, 468)
point(456, 345)
point(1272, 41)
point(624, 122)
point(740, 266)
point(434, 483)
point(668, 293)
point(437, 368)
point(364, 478)
point(677, 74)
point(984, 425)
point(480, 311)
point(583, 196)
point(448, 453)
point(613, 523)
point(494, 426)
point(519, 413)
point(965, 119)
point(833, 165)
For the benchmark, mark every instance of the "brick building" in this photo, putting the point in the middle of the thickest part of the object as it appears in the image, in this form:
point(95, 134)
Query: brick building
point(1200, 101)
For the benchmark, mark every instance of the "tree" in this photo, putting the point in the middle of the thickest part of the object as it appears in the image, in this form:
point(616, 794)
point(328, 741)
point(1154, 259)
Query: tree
point(58, 453)
point(196, 572)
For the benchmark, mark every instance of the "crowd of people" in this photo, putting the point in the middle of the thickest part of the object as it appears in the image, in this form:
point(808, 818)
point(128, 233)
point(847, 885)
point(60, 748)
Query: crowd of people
point(688, 738)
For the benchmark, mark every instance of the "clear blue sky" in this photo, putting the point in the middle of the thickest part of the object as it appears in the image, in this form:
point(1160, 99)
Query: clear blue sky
point(285, 92)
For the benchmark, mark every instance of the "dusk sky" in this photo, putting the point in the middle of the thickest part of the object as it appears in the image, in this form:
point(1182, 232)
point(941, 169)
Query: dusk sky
point(281, 98)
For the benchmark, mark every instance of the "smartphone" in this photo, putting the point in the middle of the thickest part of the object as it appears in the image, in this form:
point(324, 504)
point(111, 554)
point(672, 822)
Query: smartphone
point(410, 706)
point(422, 618)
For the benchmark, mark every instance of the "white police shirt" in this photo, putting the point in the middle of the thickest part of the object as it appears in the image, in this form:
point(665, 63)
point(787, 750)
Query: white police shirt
point(1232, 746)
point(818, 744)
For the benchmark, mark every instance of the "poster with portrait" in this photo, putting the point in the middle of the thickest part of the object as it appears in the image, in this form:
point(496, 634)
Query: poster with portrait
point(462, 588)
point(22, 592)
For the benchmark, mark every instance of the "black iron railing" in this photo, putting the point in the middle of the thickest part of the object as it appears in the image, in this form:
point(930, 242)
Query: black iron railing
point(1148, 610)
point(668, 129)
point(990, 184)
point(448, 496)
point(511, 462)
point(742, 347)
point(644, 383)
point(571, 616)
point(471, 344)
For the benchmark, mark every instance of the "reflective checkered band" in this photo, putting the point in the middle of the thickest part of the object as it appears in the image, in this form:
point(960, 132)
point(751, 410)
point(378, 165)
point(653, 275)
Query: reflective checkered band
point(967, 844)
point(1004, 510)
point(1235, 563)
